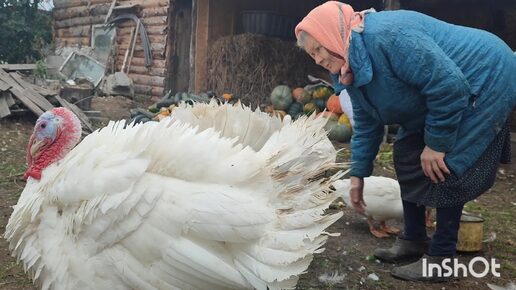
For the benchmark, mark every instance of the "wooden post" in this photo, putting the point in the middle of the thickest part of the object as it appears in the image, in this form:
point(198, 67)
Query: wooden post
point(191, 82)
point(201, 43)
point(128, 49)
point(138, 24)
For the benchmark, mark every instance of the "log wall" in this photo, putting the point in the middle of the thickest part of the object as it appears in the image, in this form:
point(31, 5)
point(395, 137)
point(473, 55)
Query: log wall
point(73, 20)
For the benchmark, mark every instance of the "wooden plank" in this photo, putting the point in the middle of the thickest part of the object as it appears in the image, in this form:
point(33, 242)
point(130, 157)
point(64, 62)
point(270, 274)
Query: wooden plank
point(133, 44)
point(27, 102)
point(153, 81)
point(148, 90)
point(141, 70)
point(127, 51)
point(25, 84)
point(153, 30)
point(78, 112)
point(81, 11)
point(14, 67)
point(159, 11)
point(9, 99)
point(140, 61)
point(38, 99)
point(193, 43)
point(4, 107)
point(76, 31)
point(4, 86)
point(9, 80)
point(66, 4)
point(70, 41)
point(19, 79)
point(79, 21)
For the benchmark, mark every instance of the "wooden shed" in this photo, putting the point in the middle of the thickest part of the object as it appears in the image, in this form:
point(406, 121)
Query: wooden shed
point(74, 19)
point(182, 31)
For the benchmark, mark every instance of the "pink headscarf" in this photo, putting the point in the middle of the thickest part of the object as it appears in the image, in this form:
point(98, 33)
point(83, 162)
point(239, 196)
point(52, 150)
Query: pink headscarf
point(331, 24)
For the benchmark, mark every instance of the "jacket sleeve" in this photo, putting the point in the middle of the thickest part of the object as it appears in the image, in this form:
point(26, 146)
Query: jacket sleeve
point(418, 61)
point(365, 142)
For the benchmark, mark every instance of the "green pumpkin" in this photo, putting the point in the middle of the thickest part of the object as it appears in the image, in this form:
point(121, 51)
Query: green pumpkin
point(295, 110)
point(305, 97)
point(310, 108)
point(321, 104)
point(338, 132)
point(281, 97)
point(322, 92)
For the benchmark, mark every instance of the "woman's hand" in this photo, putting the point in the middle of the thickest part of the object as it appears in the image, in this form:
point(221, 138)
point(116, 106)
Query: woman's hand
point(356, 194)
point(433, 164)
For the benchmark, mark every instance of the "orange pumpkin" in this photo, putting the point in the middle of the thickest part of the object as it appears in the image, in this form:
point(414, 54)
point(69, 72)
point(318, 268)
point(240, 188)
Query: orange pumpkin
point(227, 96)
point(296, 93)
point(333, 104)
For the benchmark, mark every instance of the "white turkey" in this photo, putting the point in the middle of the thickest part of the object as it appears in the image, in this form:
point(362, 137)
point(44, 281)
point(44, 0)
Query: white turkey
point(216, 197)
point(382, 197)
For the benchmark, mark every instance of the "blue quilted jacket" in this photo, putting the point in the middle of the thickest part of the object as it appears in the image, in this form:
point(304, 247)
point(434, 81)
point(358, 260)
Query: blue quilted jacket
point(455, 84)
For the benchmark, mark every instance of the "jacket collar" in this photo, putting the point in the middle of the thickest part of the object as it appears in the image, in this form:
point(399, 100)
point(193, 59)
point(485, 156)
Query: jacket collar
point(359, 61)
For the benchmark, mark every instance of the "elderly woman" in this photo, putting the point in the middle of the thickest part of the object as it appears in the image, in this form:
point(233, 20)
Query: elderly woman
point(451, 90)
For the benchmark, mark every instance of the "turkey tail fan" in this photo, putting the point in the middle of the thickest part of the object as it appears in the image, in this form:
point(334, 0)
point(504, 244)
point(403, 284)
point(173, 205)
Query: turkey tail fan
point(251, 128)
point(298, 156)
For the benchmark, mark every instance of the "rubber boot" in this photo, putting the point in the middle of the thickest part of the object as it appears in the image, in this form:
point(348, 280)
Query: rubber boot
point(403, 251)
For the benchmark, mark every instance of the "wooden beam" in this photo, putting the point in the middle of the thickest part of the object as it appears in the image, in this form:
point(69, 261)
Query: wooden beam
point(201, 44)
point(9, 80)
point(4, 86)
point(19, 79)
point(27, 102)
point(27, 95)
point(148, 80)
point(4, 107)
point(81, 11)
point(127, 51)
point(9, 98)
point(191, 81)
point(38, 99)
point(133, 45)
point(14, 67)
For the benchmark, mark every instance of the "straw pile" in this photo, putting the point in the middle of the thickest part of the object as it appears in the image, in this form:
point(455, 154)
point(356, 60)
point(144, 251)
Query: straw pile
point(250, 66)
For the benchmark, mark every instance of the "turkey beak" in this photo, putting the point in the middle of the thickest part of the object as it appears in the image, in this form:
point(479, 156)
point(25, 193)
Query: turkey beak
point(36, 147)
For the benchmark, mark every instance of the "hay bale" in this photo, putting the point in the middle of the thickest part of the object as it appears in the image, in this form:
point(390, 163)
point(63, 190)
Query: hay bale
point(251, 65)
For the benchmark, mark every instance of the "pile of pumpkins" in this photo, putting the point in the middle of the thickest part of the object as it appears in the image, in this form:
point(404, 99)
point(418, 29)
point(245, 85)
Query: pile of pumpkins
point(319, 100)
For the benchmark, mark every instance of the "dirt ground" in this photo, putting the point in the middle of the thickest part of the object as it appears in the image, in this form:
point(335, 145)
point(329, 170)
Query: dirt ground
point(347, 262)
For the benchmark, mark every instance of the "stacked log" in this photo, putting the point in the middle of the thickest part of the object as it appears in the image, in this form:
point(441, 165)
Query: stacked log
point(73, 27)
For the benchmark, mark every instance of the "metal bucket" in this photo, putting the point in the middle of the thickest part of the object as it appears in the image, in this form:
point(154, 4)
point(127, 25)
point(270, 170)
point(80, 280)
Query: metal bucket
point(471, 234)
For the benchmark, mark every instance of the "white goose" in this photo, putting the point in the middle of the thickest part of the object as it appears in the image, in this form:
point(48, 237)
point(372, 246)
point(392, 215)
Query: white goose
point(217, 197)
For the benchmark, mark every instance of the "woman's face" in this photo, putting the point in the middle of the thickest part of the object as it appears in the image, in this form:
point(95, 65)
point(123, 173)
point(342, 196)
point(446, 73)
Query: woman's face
point(330, 61)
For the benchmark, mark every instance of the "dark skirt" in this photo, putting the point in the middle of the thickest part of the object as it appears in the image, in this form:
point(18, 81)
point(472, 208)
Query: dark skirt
point(456, 190)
